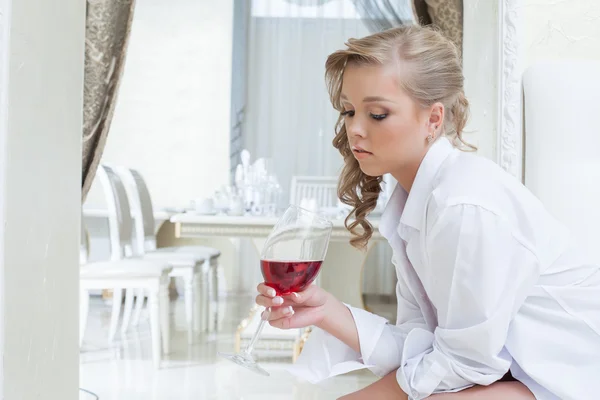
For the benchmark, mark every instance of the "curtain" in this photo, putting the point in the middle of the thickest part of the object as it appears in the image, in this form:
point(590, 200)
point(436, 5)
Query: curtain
point(447, 15)
point(380, 15)
point(108, 23)
point(289, 118)
point(241, 11)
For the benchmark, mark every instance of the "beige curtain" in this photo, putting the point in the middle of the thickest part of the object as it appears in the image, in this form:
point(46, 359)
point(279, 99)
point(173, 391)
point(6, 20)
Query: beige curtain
point(108, 23)
point(446, 15)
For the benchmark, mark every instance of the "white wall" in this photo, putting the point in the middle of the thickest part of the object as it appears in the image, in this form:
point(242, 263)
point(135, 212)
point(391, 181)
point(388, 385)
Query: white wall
point(172, 116)
point(41, 92)
point(568, 29)
point(561, 30)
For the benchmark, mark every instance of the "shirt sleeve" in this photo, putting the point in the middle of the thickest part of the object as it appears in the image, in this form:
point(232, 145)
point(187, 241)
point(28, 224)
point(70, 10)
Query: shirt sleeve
point(478, 274)
point(383, 351)
point(381, 343)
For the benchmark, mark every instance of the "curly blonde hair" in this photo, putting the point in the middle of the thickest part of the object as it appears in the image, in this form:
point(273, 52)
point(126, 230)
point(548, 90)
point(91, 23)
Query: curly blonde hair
point(433, 74)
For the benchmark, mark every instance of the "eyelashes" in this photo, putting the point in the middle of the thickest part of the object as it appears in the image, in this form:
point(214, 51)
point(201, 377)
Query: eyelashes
point(350, 113)
point(378, 117)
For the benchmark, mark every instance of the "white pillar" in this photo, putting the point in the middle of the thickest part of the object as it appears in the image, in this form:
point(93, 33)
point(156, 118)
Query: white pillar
point(480, 67)
point(41, 95)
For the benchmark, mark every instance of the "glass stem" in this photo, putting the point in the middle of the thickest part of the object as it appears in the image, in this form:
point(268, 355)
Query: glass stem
point(263, 320)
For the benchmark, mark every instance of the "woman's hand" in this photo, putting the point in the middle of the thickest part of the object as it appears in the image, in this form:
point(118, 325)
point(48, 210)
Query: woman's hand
point(313, 306)
point(296, 310)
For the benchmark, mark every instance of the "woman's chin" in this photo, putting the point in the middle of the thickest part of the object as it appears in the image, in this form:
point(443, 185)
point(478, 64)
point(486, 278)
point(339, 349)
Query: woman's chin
point(371, 170)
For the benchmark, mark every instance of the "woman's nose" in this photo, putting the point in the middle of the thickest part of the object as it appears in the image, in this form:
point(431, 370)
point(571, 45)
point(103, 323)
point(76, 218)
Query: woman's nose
point(355, 128)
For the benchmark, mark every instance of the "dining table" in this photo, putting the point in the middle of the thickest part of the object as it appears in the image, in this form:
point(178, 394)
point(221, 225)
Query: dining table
point(341, 273)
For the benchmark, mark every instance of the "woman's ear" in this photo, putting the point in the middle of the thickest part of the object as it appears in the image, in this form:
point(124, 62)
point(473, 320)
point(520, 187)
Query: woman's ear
point(436, 118)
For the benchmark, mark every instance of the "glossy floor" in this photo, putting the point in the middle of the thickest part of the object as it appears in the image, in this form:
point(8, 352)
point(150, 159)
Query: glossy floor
point(124, 370)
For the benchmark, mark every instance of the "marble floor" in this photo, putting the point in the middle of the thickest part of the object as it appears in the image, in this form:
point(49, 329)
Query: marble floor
point(124, 370)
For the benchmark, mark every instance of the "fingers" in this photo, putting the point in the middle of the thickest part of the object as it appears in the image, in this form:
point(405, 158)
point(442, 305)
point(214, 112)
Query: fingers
point(304, 296)
point(312, 296)
point(266, 301)
point(267, 296)
point(301, 318)
point(266, 290)
point(283, 323)
point(278, 313)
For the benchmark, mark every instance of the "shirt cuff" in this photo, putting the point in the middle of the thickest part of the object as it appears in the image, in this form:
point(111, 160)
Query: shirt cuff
point(418, 386)
point(370, 328)
point(323, 357)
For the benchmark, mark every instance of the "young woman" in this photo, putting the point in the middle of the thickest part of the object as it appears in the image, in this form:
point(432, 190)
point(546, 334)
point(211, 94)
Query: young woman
point(495, 301)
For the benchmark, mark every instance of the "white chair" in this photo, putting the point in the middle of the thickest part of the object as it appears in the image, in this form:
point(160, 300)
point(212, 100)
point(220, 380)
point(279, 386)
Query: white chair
point(562, 143)
point(121, 272)
point(321, 189)
point(189, 266)
point(197, 286)
point(129, 273)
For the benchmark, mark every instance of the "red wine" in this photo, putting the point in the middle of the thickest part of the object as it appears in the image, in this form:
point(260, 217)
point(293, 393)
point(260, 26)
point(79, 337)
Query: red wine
point(289, 276)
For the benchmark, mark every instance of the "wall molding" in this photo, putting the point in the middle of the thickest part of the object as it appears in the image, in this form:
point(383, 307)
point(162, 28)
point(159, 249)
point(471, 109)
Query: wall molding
point(510, 99)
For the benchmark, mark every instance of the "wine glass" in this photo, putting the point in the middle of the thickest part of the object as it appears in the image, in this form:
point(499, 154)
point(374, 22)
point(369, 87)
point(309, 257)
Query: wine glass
point(290, 261)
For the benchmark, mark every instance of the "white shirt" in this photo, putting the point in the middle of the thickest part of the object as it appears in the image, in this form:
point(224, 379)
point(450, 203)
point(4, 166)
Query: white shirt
point(488, 282)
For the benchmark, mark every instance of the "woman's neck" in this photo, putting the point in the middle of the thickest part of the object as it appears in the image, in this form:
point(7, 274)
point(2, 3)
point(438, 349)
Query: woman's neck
point(406, 174)
point(406, 177)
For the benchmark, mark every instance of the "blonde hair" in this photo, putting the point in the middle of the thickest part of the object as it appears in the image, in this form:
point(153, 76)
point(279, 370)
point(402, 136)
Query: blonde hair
point(433, 74)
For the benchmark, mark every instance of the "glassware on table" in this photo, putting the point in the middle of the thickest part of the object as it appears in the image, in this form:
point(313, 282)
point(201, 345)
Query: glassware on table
point(290, 261)
point(222, 199)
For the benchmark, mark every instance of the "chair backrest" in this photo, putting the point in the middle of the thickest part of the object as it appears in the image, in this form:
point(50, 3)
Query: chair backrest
point(119, 214)
point(562, 143)
point(323, 189)
point(141, 208)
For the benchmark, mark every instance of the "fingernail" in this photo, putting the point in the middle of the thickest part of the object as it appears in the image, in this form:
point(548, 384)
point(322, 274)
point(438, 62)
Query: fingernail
point(271, 292)
point(278, 301)
point(288, 311)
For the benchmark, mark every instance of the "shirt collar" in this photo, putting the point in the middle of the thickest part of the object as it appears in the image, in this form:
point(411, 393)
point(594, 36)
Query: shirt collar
point(390, 218)
point(409, 208)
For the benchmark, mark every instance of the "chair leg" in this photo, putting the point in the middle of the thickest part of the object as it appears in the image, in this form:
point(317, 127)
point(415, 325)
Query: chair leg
point(139, 305)
point(198, 305)
point(189, 305)
point(84, 306)
point(153, 301)
point(163, 301)
point(129, 296)
point(116, 311)
point(215, 296)
point(205, 297)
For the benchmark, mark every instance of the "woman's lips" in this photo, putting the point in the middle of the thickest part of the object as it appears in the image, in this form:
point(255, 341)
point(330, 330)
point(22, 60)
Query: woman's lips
point(360, 153)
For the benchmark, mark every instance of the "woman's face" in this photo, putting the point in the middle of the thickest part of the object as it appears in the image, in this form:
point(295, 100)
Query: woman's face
point(387, 131)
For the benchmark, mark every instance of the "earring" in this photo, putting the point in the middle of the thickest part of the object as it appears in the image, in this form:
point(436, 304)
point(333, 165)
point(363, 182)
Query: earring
point(429, 138)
